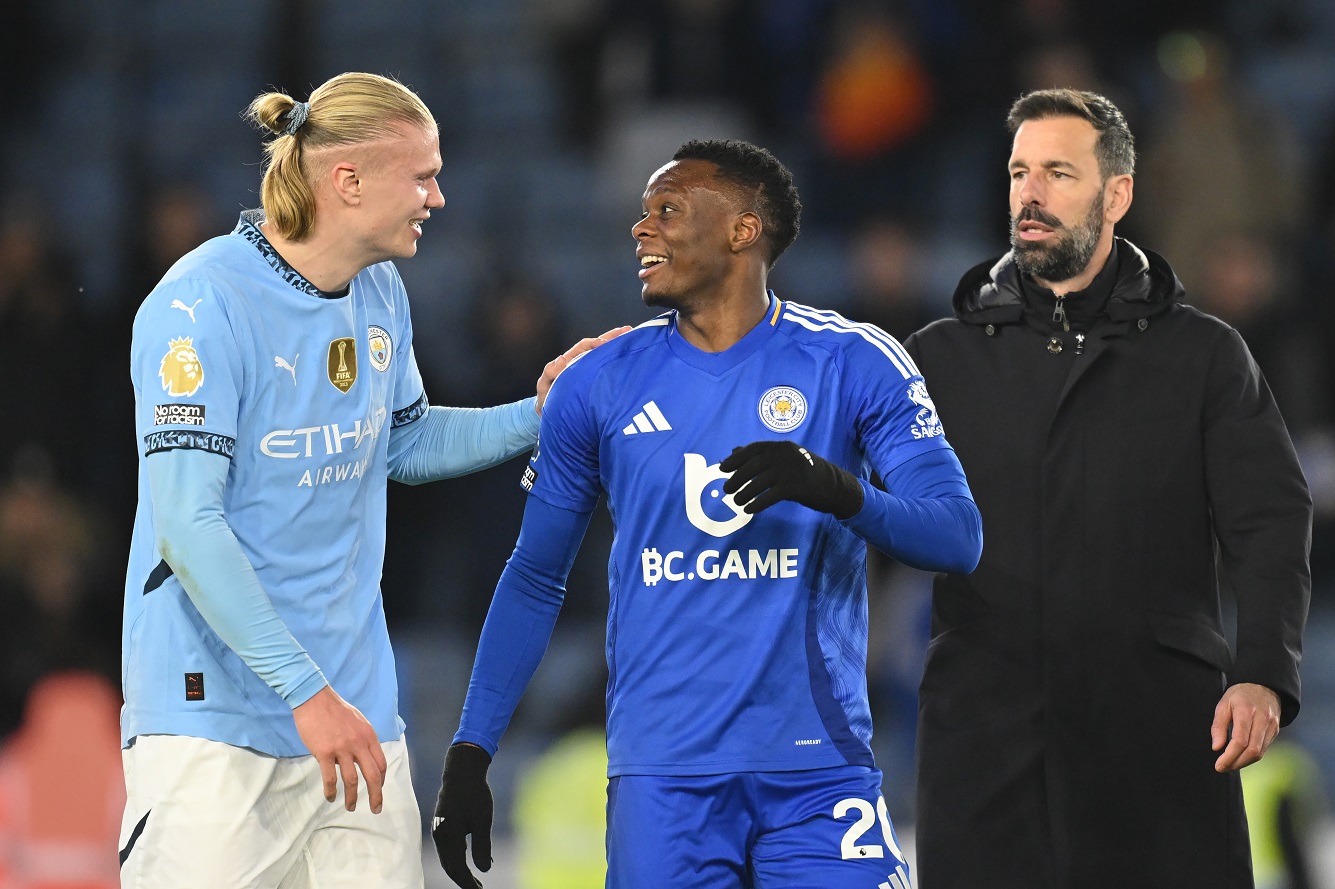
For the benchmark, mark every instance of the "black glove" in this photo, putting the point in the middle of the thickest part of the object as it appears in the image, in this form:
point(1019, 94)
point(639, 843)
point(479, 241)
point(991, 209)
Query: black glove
point(463, 807)
point(781, 470)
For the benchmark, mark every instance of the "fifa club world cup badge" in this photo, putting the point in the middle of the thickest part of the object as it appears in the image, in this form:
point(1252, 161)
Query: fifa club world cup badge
point(343, 363)
point(783, 408)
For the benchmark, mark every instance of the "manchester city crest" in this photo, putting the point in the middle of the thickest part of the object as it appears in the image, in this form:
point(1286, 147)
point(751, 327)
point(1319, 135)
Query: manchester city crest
point(382, 348)
point(783, 408)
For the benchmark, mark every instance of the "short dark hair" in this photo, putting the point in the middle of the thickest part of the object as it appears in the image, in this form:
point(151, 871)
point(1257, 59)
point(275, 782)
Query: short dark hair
point(1115, 148)
point(758, 176)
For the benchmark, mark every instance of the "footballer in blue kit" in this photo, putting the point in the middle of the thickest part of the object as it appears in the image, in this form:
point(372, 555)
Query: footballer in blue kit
point(735, 437)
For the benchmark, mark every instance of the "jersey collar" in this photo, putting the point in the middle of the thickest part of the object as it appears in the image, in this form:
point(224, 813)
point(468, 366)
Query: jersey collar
point(248, 227)
point(718, 363)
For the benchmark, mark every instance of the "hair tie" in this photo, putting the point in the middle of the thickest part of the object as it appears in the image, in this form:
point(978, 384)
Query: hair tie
point(296, 117)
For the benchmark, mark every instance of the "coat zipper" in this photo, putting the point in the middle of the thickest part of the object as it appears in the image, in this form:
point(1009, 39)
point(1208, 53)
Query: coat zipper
point(1059, 314)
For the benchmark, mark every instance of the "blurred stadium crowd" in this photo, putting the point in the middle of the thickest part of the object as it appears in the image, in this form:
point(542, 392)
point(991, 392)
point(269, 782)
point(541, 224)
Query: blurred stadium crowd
point(124, 148)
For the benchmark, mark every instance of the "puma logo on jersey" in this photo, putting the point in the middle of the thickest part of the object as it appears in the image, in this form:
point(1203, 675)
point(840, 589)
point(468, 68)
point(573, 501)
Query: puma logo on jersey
point(650, 419)
point(280, 361)
point(189, 310)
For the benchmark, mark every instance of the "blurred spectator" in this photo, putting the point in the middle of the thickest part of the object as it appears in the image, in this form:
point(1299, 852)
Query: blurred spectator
point(888, 277)
point(516, 330)
point(560, 809)
point(874, 92)
point(1215, 162)
point(1061, 63)
point(49, 359)
point(1243, 283)
point(177, 218)
point(873, 102)
point(58, 598)
point(61, 787)
point(612, 58)
point(1286, 814)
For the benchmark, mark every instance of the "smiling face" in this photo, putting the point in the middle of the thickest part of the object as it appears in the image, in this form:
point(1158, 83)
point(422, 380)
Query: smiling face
point(684, 240)
point(398, 192)
point(1062, 209)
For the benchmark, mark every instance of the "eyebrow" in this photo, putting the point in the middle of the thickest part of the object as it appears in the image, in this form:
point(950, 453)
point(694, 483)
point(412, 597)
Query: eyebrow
point(1047, 165)
point(667, 188)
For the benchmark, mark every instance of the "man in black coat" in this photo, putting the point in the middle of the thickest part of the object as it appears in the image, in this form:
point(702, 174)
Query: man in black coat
point(1082, 716)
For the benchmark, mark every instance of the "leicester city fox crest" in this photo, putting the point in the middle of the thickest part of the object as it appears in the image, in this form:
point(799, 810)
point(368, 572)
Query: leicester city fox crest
point(181, 372)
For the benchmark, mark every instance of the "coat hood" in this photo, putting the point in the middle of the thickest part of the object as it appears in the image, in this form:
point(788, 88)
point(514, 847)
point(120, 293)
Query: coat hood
point(989, 293)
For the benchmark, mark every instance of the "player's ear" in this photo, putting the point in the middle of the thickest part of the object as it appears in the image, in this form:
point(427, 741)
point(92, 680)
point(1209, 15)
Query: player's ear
point(345, 178)
point(746, 231)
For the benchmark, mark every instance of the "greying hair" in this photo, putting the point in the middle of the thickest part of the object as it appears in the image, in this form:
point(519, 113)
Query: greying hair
point(348, 109)
point(1115, 148)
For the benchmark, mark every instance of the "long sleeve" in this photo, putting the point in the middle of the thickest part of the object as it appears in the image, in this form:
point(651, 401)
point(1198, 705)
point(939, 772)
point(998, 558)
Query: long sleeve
point(926, 517)
point(196, 542)
point(1262, 513)
point(450, 441)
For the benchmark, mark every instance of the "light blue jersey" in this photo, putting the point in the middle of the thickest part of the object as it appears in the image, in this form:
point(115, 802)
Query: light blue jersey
point(735, 642)
point(236, 354)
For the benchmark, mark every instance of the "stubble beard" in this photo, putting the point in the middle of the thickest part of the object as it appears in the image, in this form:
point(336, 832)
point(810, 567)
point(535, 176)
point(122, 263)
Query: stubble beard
point(1071, 253)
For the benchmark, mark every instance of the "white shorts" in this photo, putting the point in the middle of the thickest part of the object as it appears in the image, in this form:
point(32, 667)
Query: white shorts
point(203, 814)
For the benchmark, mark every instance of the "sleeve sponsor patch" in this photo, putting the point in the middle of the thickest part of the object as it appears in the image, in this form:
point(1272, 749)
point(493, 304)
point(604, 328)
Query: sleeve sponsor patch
point(528, 478)
point(178, 415)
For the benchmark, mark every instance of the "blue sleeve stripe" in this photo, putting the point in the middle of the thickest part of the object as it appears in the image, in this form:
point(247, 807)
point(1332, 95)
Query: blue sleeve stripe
point(410, 413)
point(189, 439)
point(812, 319)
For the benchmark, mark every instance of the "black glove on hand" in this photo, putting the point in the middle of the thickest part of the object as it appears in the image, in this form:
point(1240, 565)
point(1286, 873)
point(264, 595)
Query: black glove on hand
point(463, 807)
point(781, 470)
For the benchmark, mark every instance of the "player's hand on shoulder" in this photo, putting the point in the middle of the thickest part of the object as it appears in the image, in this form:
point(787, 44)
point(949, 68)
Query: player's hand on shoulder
point(562, 361)
point(764, 473)
point(338, 735)
point(463, 808)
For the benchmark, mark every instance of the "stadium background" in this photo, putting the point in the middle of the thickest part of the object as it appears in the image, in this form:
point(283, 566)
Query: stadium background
point(123, 147)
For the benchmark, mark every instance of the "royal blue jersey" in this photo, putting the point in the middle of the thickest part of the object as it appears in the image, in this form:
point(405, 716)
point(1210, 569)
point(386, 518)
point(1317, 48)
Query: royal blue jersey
point(735, 642)
point(236, 354)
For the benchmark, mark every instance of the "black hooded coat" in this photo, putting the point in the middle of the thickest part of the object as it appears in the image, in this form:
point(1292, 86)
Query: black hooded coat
point(1071, 680)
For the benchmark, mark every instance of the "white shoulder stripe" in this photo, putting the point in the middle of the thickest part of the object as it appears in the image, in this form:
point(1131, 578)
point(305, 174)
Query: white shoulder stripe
point(870, 330)
point(844, 328)
point(655, 322)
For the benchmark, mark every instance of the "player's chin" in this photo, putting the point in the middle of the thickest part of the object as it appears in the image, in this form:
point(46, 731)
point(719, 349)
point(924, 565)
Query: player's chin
point(406, 250)
point(657, 298)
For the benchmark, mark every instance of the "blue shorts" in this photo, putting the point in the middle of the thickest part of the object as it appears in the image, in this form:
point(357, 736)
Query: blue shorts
point(753, 830)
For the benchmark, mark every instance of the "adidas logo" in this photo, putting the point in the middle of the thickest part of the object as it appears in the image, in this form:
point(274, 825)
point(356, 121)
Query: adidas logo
point(650, 419)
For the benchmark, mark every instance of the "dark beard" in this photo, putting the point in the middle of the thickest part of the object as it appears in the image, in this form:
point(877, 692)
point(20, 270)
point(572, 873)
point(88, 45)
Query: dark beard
point(1069, 256)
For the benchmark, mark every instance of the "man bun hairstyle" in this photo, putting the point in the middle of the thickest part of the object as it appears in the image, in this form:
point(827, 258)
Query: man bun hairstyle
point(1115, 148)
point(758, 180)
point(348, 109)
